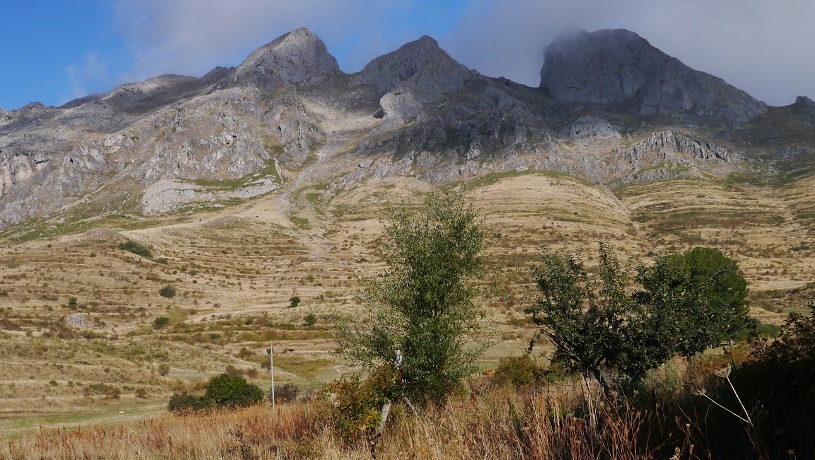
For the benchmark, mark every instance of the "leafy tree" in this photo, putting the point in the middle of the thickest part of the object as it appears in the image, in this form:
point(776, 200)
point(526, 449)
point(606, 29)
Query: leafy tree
point(584, 322)
point(294, 301)
point(688, 302)
point(422, 304)
point(701, 287)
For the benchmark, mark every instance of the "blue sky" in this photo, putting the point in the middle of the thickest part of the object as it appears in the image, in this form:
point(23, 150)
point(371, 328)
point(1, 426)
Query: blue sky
point(55, 51)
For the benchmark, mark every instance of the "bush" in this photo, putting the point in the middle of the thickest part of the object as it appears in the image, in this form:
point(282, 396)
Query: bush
point(779, 381)
point(167, 291)
point(160, 322)
point(233, 391)
point(141, 393)
point(72, 302)
point(517, 371)
point(233, 371)
point(285, 393)
point(310, 320)
point(294, 301)
point(163, 369)
point(136, 248)
point(182, 403)
point(356, 412)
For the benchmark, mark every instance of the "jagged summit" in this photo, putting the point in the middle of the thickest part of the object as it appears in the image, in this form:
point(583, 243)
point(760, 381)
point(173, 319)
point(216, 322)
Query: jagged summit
point(417, 73)
point(618, 67)
point(420, 64)
point(297, 56)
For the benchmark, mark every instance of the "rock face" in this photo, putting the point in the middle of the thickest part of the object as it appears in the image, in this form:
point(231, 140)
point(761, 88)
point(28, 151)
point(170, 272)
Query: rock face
point(591, 128)
point(293, 57)
point(618, 67)
point(416, 74)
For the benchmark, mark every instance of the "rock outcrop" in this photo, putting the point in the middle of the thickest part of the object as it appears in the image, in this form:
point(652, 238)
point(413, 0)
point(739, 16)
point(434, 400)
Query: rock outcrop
point(416, 74)
point(621, 69)
point(590, 128)
point(297, 56)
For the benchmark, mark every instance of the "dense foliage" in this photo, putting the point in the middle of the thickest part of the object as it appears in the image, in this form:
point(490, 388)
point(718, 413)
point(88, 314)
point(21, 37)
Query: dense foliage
point(136, 248)
point(223, 390)
point(422, 304)
point(356, 410)
point(687, 302)
point(233, 391)
point(780, 380)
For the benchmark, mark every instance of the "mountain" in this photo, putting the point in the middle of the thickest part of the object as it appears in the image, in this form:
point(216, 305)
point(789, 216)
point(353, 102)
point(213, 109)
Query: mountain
point(610, 108)
point(256, 184)
point(618, 67)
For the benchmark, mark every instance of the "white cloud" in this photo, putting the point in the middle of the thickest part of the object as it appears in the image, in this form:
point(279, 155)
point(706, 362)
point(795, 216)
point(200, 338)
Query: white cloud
point(93, 75)
point(194, 36)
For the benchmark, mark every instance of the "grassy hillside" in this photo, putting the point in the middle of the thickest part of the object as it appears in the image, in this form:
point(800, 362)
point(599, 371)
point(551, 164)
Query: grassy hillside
point(235, 270)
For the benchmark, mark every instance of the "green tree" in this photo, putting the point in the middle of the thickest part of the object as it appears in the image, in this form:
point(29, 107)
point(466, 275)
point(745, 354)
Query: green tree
point(698, 295)
point(688, 303)
point(585, 321)
point(422, 305)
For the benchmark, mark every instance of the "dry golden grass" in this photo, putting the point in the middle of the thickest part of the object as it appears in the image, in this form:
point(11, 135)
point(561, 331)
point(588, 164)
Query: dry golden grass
point(493, 424)
point(236, 269)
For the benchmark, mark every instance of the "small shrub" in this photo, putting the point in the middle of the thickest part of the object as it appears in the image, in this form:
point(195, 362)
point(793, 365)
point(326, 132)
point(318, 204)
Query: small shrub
point(160, 322)
point(285, 393)
point(163, 369)
point(183, 403)
point(294, 301)
point(136, 248)
point(162, 261)
point(234, 371)
point(356, 412)
point(167, 291)
point(72, 302)
point(517, 371)
point(141, 393)
point(310, 320)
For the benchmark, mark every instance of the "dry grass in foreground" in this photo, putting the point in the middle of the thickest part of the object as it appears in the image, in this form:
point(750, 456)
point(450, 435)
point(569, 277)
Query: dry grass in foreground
point(501, 423)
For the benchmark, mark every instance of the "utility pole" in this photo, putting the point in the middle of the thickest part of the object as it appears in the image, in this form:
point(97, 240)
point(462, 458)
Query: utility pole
point(271, 369)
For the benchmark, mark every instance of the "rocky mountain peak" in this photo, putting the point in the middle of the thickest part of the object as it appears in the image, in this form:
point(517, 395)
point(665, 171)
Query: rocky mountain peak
point(297, 56)
point(422, 65)
point(618, 67)
point(418, 73)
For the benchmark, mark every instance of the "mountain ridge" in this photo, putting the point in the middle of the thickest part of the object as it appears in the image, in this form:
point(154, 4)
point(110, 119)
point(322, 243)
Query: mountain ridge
point(159, 145)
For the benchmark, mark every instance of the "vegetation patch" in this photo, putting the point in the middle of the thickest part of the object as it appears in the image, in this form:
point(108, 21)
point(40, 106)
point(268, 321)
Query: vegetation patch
point(136, 248)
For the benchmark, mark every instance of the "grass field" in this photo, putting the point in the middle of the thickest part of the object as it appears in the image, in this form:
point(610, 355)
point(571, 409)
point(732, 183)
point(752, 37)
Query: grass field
point(235, 270)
